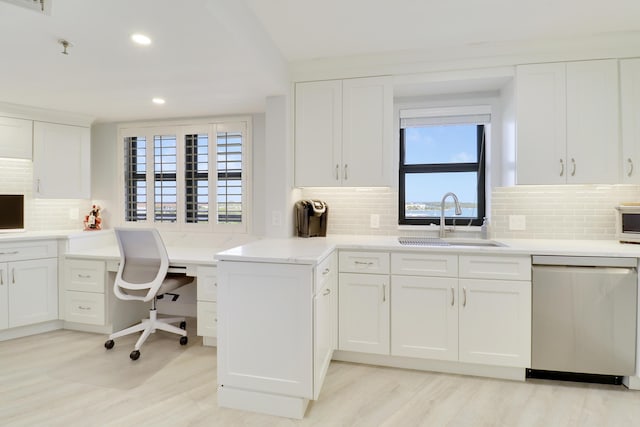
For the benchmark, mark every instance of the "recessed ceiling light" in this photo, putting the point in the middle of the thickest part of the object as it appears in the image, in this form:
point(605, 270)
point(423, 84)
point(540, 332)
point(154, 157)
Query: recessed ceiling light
point(158, 101)
point(141, 39)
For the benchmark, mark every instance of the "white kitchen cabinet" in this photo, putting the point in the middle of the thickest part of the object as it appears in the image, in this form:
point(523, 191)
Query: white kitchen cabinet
point(495, 322)
point(16, 138)
point(33, 291)
point(495, 310)
point(363, 301)
point(424, 318)
point(477, 313)
point(344, 133)
point(84, 292)
point(61, 161)
point(568, 123)
point(324, 320)
point(207, 296)
point(29, 273)
point(630, 115)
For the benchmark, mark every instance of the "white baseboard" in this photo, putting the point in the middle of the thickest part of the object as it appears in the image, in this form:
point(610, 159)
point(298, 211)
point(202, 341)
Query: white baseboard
point(23, 331)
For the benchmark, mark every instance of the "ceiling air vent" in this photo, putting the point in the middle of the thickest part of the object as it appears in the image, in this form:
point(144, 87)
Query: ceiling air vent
point(40, 6)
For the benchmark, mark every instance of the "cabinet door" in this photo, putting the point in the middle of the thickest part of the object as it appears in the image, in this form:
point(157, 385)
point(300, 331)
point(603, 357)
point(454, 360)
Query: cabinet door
point(322, 336)
point(363, 306)
point(593, 140)
point(495, 322)
point(207, 284)
point(630, 113)
point(61, 161)
point(367, 137)
point(424, 317)
point(318, 134)
point(16, 138)
point(33, 291)
point(541, 124)
point(4, 298)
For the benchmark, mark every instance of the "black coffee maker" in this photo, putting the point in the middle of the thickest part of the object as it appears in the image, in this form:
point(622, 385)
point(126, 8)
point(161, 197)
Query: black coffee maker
point(311, 218)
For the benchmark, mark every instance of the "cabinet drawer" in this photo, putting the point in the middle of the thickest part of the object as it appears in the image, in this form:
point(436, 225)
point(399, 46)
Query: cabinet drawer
point(18, 251)
point(207, 284)
point(495, 267)
point(424, 264)
point(84, 275)
point(84, 307)
point(325, 270)
point(207, 319)
point(364, 262)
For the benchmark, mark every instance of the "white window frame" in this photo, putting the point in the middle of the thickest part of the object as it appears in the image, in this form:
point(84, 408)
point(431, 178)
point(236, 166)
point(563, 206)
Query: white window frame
point(181, 128)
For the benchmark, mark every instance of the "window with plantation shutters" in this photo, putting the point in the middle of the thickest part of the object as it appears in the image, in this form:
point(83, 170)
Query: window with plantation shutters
point(187, 176)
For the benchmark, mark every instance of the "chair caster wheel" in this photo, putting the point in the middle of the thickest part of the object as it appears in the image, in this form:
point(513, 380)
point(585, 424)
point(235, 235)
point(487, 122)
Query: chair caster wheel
point(183, 340)
point(183, 325)
point(135, 354)
point(109, 344)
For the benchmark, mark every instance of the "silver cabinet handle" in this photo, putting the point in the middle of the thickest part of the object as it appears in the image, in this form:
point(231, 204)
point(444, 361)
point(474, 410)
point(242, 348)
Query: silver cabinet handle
point(326, 292)
point(573, 167)
point(13, 275)
point(384, 293)
point(84, 307)
point(1, 277)
point(337, 172)
point(453, 296)
point(346, 175)
point(561, 167)
point(84, 276)
point(38, 185)
point(464, 293)
point(363, 263)
point(325, 271)
point(630, 162)
point(10, 253)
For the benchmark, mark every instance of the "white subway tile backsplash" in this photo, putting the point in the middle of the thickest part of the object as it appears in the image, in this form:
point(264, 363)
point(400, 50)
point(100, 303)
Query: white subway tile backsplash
point(551, 212)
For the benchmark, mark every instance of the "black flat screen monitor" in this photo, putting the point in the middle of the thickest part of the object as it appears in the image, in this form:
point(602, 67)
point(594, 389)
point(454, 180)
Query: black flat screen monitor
point(11, 212)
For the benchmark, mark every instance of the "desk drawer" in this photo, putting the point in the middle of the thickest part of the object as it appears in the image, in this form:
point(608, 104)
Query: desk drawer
point(207, 319)
point(364, 262)
point(84, 275)
point(207, 283)
point(84, 307)
point(18, 251)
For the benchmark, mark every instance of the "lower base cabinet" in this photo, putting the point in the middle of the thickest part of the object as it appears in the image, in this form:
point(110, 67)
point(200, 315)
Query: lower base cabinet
point(32, 293)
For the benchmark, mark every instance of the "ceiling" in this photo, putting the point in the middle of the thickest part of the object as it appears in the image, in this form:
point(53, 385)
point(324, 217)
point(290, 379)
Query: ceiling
point(220, 57)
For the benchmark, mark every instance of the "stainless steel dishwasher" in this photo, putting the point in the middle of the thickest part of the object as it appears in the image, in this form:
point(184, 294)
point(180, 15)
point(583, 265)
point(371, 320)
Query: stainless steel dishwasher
point(584, 315)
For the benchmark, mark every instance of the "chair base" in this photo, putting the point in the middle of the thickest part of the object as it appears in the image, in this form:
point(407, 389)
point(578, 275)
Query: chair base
point(149, 326)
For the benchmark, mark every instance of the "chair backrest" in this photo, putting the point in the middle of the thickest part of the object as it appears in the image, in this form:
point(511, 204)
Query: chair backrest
point(143, 263)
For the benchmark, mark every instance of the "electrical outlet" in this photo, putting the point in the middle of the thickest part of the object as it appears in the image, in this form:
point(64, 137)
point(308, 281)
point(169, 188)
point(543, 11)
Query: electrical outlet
point(374, 221)
point(517, 222)
point(276, 218)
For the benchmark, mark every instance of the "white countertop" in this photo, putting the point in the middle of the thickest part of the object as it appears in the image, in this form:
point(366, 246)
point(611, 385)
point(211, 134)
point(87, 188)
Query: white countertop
point(177, 255)
point(313, 250)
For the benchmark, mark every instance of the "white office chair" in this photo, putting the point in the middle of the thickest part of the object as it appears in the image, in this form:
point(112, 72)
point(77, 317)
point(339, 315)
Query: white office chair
point(143, 276)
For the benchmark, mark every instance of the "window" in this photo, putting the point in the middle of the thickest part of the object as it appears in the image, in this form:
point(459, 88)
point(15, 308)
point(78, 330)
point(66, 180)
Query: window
point(185, 176)
point(441, 154)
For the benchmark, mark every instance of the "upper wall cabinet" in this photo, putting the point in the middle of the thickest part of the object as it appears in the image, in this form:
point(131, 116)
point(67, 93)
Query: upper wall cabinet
point(61, 161)
point(630, 102)
point(16, 136)
point(343, 133)
point(568, 123)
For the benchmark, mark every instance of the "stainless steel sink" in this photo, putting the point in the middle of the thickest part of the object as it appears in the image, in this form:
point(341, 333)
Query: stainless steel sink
point(435, 242)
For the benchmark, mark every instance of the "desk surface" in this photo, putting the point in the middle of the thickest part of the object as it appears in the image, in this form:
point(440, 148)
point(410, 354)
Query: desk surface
point(177, 255)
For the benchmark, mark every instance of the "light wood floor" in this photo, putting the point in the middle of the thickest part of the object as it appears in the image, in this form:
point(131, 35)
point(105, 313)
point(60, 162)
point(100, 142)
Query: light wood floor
point(67, 378)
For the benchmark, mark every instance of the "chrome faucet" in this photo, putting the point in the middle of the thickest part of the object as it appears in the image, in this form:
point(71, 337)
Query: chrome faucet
point(458, 210)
